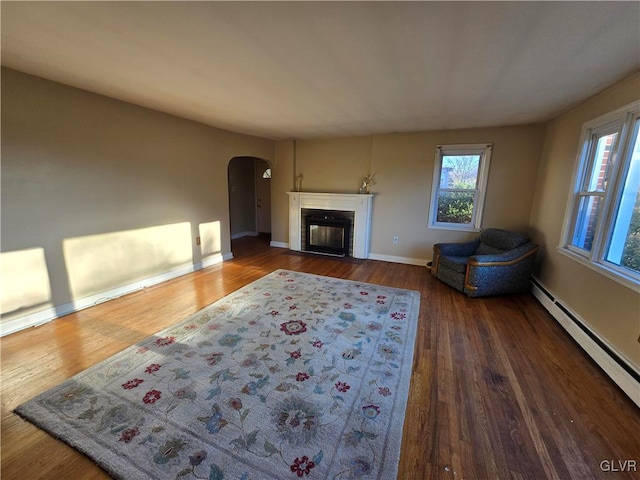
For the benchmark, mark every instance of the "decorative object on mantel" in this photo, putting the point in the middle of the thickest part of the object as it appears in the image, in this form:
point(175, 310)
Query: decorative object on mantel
point(294, 375)
point(367, 181)
point(299, 179)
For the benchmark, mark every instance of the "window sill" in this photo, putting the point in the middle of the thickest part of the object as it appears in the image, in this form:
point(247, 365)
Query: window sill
point(628, 282)
point(454, 227)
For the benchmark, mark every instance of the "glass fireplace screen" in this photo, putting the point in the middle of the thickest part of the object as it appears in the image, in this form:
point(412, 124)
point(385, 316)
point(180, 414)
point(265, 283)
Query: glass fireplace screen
point(327, 235)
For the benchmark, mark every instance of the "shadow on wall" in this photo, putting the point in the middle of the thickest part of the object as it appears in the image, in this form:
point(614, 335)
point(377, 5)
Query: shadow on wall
point(109, 264)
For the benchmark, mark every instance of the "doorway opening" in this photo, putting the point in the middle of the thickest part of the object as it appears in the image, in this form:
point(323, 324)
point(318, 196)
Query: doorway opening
point(249, 182)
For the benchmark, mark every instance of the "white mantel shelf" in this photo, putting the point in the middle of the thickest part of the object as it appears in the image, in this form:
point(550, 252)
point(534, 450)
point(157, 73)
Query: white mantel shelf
point(360, 204)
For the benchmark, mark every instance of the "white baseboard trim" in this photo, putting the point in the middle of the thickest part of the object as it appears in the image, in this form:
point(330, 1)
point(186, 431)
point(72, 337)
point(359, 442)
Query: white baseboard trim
point(590, 342)
point(44, 316)
point(244, 234)
point(213, 260)
point(279, 244)
point(34, 319)
point(393, 259)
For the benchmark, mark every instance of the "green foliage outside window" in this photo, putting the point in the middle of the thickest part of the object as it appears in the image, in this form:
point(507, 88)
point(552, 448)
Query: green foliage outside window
point(455, 207)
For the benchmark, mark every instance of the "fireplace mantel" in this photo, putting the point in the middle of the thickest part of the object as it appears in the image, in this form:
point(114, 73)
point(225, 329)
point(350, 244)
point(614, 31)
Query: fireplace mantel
point(360, 204)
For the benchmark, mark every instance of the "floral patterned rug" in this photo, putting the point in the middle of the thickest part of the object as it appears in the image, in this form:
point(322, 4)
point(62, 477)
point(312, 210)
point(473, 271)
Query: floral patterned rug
point(293, 376)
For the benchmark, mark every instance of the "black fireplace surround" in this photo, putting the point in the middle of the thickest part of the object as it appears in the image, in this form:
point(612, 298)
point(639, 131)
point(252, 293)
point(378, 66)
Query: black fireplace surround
point(327, 232)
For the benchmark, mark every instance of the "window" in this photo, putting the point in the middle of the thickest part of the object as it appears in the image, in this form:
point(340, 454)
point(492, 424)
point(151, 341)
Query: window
point(602, 224)
point(266, 173)
point(459, 184)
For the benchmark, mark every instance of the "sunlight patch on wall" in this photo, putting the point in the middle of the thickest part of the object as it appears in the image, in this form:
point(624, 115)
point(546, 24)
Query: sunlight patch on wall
point(210, 238)
point(24, 286)
point(97, 263)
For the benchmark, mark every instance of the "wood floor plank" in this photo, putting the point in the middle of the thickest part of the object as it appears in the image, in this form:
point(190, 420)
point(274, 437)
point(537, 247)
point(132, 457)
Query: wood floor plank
point(498, 389)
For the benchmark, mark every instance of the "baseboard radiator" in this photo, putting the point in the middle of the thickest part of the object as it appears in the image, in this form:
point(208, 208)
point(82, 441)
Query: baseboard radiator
point(623, 374)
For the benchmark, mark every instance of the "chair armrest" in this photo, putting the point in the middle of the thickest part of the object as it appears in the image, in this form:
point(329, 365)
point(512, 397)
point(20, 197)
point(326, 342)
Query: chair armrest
point(504, 259)
point(503, 273)
point(464, 249)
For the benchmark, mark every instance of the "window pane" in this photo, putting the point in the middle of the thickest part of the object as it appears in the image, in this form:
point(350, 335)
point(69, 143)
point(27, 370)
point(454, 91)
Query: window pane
point(601, 162)
point(459, 171)
point(624, 249)
point(459, 184)
point(586, 222)
point(455, 207)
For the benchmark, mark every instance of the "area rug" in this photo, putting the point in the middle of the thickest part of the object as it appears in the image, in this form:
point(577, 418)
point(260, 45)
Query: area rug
point(294, 375)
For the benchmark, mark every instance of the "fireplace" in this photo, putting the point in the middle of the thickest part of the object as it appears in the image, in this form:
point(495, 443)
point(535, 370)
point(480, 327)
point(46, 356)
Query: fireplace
point(327, 232)
point(356, 207)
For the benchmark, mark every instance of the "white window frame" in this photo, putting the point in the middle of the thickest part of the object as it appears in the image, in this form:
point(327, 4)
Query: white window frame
point(625, 121)
point(482, 149)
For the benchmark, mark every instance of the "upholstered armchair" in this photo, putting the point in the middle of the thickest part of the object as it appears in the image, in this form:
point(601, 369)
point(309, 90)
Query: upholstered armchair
point(496, 262)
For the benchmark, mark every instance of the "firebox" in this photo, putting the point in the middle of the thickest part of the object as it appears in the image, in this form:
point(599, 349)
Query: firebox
point(327, 233)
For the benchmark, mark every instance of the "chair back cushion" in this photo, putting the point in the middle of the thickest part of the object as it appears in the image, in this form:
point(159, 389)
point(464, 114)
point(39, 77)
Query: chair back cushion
point(485, 249)
point(495, 240)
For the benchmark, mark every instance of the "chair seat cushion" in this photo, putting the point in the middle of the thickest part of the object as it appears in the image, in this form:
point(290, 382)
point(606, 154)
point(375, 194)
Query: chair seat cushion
point(457, 264)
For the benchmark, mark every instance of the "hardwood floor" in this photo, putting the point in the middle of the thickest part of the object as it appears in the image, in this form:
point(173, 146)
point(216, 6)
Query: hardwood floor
point(498, 391)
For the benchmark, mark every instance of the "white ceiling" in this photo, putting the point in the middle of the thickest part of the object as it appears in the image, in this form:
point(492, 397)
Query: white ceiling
point(321, 69)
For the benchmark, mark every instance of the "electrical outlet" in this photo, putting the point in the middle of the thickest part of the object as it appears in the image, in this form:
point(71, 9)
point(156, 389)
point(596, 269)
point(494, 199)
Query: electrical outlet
point(396, 240)
point(197, 240)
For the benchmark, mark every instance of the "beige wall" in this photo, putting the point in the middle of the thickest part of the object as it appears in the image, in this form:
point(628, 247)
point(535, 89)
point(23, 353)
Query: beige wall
point(101, 193)
point(403, 164)
point(337, 163)
point(609, 308)
point(281, 182)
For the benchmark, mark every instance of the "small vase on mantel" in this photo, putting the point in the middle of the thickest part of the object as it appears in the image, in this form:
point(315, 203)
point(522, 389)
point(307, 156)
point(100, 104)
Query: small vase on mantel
point(299, 179)
point(365, 184)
